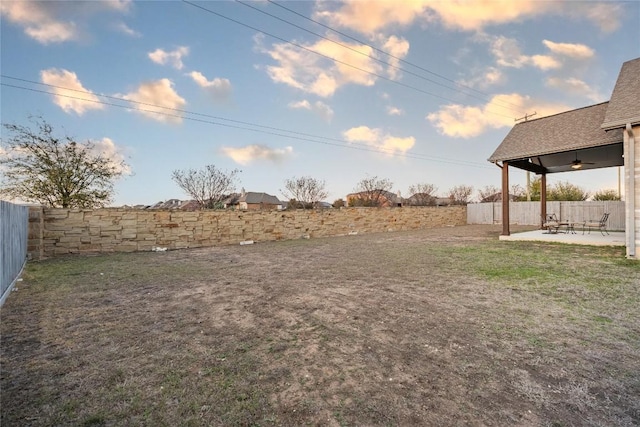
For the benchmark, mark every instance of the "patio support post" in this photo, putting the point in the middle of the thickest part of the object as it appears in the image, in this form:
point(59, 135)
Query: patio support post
point(543, 198)
point(505, 199)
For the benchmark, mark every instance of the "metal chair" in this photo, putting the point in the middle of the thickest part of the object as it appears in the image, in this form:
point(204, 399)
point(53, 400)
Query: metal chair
point(551, 223)
point(599, 224)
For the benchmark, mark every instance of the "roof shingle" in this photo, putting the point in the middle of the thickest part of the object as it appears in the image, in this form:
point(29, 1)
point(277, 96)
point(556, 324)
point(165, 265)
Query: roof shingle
point(624, 106)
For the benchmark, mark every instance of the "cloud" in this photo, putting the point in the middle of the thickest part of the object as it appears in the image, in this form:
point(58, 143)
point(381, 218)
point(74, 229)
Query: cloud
point(311, 73)
point(319, 108)
point(460, 121)
point(508, 54)
point(484, 78)
point(250, 153)
point(48, 22)
point(158, 97)
point(114, 155)
point(70, 95)
point(394, 111)
point(577, 87)
point(125, 29)
point(220, 89)
point(379, 140)
point(398, 49)
point(572, 50)
point(173, 58)
point(372, 16)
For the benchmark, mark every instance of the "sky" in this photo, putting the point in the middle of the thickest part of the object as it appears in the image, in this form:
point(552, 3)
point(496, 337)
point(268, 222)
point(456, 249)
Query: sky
point(416, 92)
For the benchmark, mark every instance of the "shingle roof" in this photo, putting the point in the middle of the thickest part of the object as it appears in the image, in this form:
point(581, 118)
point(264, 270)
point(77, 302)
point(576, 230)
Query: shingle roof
point(624, 106)
point(258, 198)
point(571, 130)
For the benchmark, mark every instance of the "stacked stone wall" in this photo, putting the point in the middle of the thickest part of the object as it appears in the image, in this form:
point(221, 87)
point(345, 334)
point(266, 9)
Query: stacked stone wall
point(55, 232)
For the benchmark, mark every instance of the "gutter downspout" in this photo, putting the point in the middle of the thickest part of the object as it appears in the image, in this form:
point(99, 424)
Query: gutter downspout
point(631, 192)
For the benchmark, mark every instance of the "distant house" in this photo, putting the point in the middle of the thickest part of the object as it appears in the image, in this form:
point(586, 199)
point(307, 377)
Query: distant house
point(497, 197)
point(421, 199)
point(253, 201)
point(175, 204)
point(379, 198)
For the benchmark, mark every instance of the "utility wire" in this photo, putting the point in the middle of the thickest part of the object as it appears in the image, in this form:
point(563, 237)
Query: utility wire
point(274, 131)
point(330, 58)
point(481, 95)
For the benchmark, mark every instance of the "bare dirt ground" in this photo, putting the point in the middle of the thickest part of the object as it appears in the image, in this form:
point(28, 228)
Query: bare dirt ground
point(437, 327)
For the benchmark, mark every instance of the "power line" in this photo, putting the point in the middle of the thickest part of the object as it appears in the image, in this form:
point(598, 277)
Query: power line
point(404, 61)
point(483, 98)
point(331, 58)
point(274, 131)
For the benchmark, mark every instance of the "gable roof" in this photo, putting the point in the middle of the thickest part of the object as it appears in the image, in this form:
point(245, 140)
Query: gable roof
point(624, 106)
point(568, 131)
point(259, 198)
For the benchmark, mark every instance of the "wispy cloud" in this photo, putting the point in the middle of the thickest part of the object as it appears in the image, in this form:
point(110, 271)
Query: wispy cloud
point(47, 22)
point(125, 29)
point(372, 16)
point(379, 140)
point(394, 111)
point(484, 78)
point(250, 153)
point(319, 75)
point(571, 50)
point(220, 89)
point(576, 87)
point(461, 121)
point(112, 153)
point(173, 58)
point(70, 94)
point(319, 108)
point(158, 97)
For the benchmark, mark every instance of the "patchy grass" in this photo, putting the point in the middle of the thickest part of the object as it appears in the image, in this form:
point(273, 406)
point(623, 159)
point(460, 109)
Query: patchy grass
point(437, 327)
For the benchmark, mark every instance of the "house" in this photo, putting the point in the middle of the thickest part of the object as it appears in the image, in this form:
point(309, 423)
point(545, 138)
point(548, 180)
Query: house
point(253, 201)
point(597, 136)
point(379, 198)
point(175, 204)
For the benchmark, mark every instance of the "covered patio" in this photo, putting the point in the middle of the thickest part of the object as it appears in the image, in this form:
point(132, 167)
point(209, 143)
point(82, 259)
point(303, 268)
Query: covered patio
point(598, 136)
point(614, 238)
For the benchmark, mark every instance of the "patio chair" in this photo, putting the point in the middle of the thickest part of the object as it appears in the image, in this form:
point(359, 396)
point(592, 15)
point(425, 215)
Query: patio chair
point(551, 223)
point(599, 224)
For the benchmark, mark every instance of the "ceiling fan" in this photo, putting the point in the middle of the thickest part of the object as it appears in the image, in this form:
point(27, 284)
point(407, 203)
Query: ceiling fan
point(577, 163)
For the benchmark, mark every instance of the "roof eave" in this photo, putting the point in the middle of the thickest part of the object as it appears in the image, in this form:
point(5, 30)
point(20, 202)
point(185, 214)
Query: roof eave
point(620, 123)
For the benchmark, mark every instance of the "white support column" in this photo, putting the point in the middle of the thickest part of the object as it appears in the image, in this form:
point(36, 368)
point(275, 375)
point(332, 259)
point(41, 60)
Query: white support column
point(632, 190)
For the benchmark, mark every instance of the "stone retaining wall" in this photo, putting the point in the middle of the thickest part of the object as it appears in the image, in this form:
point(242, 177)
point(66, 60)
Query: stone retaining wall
point(56, 232)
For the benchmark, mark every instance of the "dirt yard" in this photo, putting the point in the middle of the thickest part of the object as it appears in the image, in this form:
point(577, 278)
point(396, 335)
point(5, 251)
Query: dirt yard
point(437, 327)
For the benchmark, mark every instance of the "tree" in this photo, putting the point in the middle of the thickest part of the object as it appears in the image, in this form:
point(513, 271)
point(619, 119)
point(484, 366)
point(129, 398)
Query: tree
point(338, 203)
point(460, 194)
point(422, 194)
point(38, 166)
point(490, 193)
point(602, 195)
point(208, 186)
point(372, 192)
point(567, 191)
point(307, 191)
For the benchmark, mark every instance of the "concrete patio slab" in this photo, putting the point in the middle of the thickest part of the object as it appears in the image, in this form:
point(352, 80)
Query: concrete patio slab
point(614, 238)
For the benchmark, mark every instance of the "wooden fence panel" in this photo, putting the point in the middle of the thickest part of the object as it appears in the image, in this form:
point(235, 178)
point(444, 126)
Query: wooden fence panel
point(14, 223)
point(528, 213)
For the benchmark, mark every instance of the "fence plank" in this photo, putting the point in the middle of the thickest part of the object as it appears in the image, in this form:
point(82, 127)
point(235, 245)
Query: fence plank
point(14, 221)
point(528, 213)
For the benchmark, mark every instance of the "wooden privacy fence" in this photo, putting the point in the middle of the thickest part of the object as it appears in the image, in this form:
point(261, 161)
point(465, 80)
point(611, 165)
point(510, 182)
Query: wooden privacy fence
point(528, 213)
point(14, 226)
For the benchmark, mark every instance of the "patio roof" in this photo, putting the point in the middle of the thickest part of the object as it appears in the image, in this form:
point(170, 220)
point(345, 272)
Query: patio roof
point(555, 143)
point(624, 106)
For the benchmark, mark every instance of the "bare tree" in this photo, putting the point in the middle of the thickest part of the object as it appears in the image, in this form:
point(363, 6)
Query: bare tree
point(37, 166)
point(422, 194)
point(489, 193)
point(306, 191)
point(208, 186)
point(460, 194)
point(372, 191)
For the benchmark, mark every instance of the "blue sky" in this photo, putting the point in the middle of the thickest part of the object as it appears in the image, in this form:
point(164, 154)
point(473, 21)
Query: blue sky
point(239, 88)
